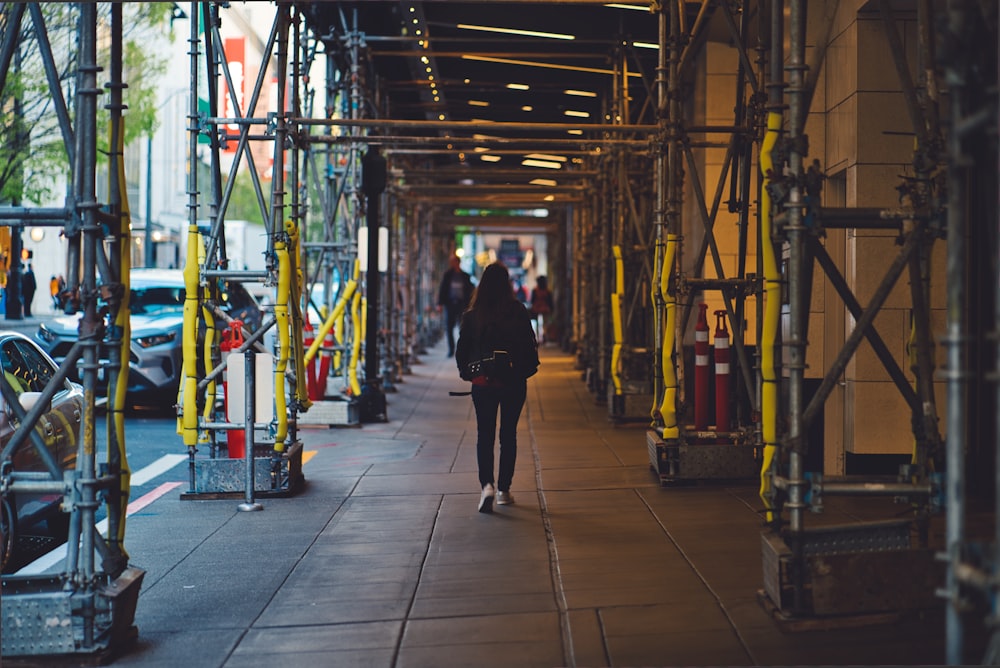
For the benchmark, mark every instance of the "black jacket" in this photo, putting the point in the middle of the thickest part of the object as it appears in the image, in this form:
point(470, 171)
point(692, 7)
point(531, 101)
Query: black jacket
point(444, 289)
point(511, 332)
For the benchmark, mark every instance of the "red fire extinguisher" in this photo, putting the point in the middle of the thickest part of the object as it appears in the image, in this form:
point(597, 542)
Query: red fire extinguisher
point(701, 370)
point(325, 358)
point(232, 339)
point(721, 372)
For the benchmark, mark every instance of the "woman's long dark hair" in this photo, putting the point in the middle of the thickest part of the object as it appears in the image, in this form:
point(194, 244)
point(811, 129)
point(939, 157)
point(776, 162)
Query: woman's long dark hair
point(493, 295)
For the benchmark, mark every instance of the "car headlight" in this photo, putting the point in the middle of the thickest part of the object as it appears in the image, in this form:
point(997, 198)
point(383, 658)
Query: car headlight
point(46, 334)
point(155, 339)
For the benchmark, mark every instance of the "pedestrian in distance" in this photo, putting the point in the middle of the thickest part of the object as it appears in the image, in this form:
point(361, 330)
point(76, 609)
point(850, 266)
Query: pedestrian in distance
point(28, 287)
point(54, 291)
point(454, 295)
point(541, 305)
point(497, 352)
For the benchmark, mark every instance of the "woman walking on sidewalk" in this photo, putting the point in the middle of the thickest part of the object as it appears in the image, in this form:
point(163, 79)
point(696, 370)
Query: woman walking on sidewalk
point(498, 352)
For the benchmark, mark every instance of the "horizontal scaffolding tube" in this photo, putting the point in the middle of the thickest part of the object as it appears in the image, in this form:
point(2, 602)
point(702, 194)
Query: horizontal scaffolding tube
point(50, 215)
point(473, 125)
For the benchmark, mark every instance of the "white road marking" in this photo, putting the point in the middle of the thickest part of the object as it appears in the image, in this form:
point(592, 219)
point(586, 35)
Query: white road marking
point(143, 475)
point(161, 465)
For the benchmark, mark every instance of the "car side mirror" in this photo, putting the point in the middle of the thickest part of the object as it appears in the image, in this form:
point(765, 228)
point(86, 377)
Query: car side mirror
point(28, 400)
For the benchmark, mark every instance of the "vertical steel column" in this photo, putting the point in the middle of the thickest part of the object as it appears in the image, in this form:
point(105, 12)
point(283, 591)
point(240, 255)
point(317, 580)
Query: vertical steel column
point(192, 180)
point(955, 445)
point(90, 327)
point(797, 297)
point(118, 493)
point(675, 172)
point(659, 220)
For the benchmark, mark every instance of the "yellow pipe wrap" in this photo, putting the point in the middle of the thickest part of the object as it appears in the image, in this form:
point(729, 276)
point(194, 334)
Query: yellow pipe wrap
point(338, 334)
point(189, 347)
point(117, 413)
point(668, 409)
point(328, 324)
point(616, 319)
point(772, 313)
point(295, 299)
point(356, 327)
point(281, 316)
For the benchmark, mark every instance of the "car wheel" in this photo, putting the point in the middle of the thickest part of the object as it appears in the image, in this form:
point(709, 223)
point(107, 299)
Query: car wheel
point(8, 531)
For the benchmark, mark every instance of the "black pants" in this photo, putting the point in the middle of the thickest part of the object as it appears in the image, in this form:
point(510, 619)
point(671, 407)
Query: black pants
point(510, 400)
point(453, 316)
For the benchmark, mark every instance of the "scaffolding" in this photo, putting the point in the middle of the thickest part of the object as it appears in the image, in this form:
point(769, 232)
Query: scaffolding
point(89, 607)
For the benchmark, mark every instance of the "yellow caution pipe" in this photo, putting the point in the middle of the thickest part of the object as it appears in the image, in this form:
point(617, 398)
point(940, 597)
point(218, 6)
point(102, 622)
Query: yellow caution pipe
point(123, 323)
point(668, 410)
point(281, 364)
point(295, 300)
point(357, 325)
point(772, 312)
point(189, 346)
point(331, 321)
point(616, 319)
point(338, 334)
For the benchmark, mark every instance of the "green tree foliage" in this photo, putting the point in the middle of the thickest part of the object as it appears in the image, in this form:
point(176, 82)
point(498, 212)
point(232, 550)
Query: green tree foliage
point(33, 157)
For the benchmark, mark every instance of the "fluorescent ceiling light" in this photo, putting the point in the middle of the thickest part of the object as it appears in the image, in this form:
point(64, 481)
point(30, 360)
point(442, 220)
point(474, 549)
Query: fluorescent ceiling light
point(646, 45)
point(517, 86)
point(549, 66)
point(543, 182)
point(549, 198)
point(546, 156)
point(580, 93)
point(486, 157)
point(478, 103)
point(515, 31)
point(541, 163)
point(527, 107)
point(577, 114)
point(622, 5)
point(480, 149)
point(574, 132)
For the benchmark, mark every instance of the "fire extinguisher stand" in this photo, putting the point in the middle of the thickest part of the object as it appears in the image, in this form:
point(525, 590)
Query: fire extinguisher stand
point(250, 397)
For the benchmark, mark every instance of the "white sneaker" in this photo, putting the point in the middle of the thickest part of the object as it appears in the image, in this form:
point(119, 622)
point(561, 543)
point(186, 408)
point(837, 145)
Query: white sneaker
point(504, 498)
point(486, 499)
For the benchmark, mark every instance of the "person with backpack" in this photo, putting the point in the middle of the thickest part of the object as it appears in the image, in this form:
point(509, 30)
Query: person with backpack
point(497, 352)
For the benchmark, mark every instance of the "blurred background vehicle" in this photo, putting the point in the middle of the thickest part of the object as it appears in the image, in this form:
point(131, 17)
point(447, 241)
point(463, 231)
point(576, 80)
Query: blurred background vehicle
point(28, 370)
point(157, 306)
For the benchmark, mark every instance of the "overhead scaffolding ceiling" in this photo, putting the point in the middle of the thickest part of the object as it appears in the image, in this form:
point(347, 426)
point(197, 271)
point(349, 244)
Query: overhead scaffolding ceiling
point(482, 98)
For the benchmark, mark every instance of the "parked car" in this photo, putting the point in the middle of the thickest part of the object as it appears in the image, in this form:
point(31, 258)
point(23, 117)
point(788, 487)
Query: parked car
point(28, 370)
point(157, 308)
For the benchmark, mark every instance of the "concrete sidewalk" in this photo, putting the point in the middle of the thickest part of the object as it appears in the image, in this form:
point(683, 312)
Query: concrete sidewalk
point(383, 560)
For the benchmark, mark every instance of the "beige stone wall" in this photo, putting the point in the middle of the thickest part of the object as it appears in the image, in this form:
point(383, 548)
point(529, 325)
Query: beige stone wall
point(869, 147)
point(860, 132)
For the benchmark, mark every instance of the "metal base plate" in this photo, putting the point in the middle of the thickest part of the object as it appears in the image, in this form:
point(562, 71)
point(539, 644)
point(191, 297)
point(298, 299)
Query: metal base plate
point(327, 413)
point(42, 623)
point(863, 574)
point(225, 478)
point(674, 461)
